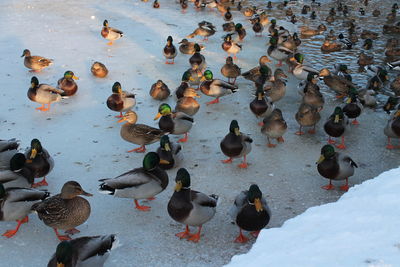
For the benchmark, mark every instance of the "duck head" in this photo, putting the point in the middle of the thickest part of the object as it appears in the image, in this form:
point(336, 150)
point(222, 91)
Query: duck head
point(182, 180)
point(327, 152)
point(234, 128)
point(64, 253)
point(116, 88)
point(163, 110)
point(130, 117)
point(72, 189)
point(254, 197)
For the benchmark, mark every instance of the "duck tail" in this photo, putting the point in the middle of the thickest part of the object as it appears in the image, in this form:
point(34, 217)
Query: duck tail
point(105, 189)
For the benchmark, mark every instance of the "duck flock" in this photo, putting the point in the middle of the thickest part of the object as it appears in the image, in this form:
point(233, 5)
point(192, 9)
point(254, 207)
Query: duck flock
point(67, 210)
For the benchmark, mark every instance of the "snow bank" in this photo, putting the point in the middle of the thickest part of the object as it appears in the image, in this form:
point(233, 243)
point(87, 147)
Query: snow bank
point(361, 229)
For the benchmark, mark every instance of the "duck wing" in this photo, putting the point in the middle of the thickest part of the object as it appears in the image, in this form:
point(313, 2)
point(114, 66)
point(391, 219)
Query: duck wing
point(350, 161)
point(11, 144)
point(203, 200)
point(132, 178)
point(17, 194)
point(240, 201)
point(182, 116)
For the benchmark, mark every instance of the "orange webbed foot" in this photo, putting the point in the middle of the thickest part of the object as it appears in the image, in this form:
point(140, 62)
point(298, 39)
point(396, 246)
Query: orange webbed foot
point(64, 237)
point(194, 238)
point(215, 101)
point(184, 234)
point(227, 160)
point(331, 141)
point(344, 188)
point(299, 133)
point(341, 146)
point(355, 122)
point(280, 139)
point(141, 149)
point(183, 140)
point(241, 239)
point(328, 187)
point(312, 131)
point(41, 183)
point(141, 208)
point(390, 147)
point(151, 198)
point(243, 165)
point(261, 123)
point(10, 233)
point(271, 145)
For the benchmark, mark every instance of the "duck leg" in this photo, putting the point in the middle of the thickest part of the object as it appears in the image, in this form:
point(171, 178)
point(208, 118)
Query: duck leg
point(196, 237)
point(184, 234)
point(138, 150)
point(142, 208)
point(329, 186)
point(227, 160)
point(341, 146)
point(280, 139)
point(269, 143)
point(46, 109)
point(312, 131)
point(299, 132)
point(241, 238)
point(61, 237)
point(389, 145)
point(355, 122)
point(41, 183)
point(119, 116)
point(243, 165)
point(215, 101)
point(110, 43)
point(11, 233)
point(261, 123)
point(346, 186)
point(183, 140)
point(40, 108)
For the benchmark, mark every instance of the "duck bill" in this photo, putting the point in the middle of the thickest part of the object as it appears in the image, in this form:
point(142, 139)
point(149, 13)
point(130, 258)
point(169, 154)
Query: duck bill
point(336, 118)
point(75, 77)
point(321, 159)
point(157, 116)
point(348, 100)
point(164, 162)
point(258, 205)
point(84, 193)
point(397, 114)
point(33, 153)
point(178, 186)
point(237, 131)
point(167, 148)
point(59, 264)
point(121, 120)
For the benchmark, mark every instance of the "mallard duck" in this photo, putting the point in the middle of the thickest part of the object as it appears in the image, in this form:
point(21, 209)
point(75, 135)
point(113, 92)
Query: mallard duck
point(110, 34)
point(169, 51)
point(310, 84)
point(35, 63)
point(336, 126)
point(39, 162)
point(273, 26)
point(17, 173)
point(254, 73)
point(43, 94)
point(307, 116)
point(236, 145)
point(16, 203)
point(366, 34)
point(376, 13)
point(190, 207)
point(230, 70)
point(376, 83)
point(313, 15)
point(156, 4)
point(330, 19)
point(180, 90)
point(353, 107)
point(228, 27)
point(99, 70)
point(187, 47)
point(250, 212)
point(392, 52)
point(331, 36)
point(301, 71)
point(205, 29)
point(248, 11)
point(120, 101)
point(364, 60)
point(261, 106)
point(87, 250)
point(392, 43)
point(391, 29)
point(367, 98)
point(228, 15)
point(275, 88)
point(230, 46)
point(258, 27)
point(279, 53)
point(198, 61)
point(392, 128)
point(195, 76)
point(139, 134)
point(8, 148)
point(338, 84)
point(395, 86)
point(308, 32)
point(168, 153)
point(312, 96)
point(329, 46)
point(174, 122)
point(159, 91)
point(188, 104)
point(140, 183)
point(215, 87)
point(274, 126)
point(335, 166)
point(269, 4)
point(241, 32)
point(391, 104)
point(184, 5)
point(342, 70)
point(66, 210)
point(67, 83)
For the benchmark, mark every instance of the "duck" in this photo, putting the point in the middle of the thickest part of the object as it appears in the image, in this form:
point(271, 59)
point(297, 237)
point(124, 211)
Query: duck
point(392, 52)
point(228, 26)
point(67, 84)
point(205, 29)
point(39, 161)
point(188, 104)
point(66, 210)
point(169, 51)
point(8, 148)
point(258, 27)
point(262, 105)
point(174, 122)
point(353, 107)
point(91, 250)
point(159, 91)
point(367, 98)
point(274, 126)
point(308, 32)
point(186, 47)
point(330, 19)
point(279, 53)
point(392, 128)
point(180, 90)
point(43, 94)
point(228, 15)
point(338, 84)
point(16, 203)
point(248, 11)
point(240, 31)
point(140, 183)
point(275, 89)
point(391, 29)
point(254, 73)
point(307, 116)
point(169, 153)
point(197, 61)
point(392, 43)
point(395, 86)
point(184, 5)
point(328, 47)
point(17, 173)
point(364, 60)
point(139, 134)
point(110, 34)
point(391, 104)
point(331, 36)
point(190, 207)
point(99, 70)
point(230, 70)
point(376, 13)
point(335, 166)
point(342, 70)
point(156, 4)
point(230, 46)
point(250, 211)
point(273, 26)
point(215, 87)
point(312, 95)
point(301, 71)
point(366, 34)
point(336, 126)
point(236, 145)
point(120, 101)
point(311, 83)
point(35, 63)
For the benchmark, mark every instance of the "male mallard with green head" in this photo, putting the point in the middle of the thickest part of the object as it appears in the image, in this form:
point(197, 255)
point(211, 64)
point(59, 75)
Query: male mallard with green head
point(120, 101)
point(279, 53)
point(301, 71)
point(139, 134)
point(335, 166)
point(236, 145)
point(66, 210)
point(215, 87)
point(241, 32)
point(190, 207)
point(39, 162)
point(17, 173)
point(255, 73)
point(35, 63)
point(169, 51)
point(140, 183)
point(336, 126)
point(110, 34)
point(43, 94)
point(261, 106)
point(168, 153)
point(67, 83)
